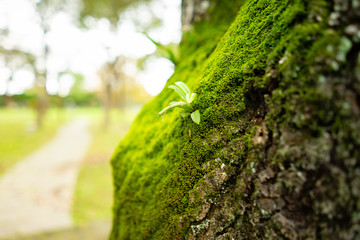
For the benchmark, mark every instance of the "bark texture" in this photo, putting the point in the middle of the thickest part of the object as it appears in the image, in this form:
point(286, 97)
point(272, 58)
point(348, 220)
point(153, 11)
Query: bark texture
point(277, 154)
point(193, 11)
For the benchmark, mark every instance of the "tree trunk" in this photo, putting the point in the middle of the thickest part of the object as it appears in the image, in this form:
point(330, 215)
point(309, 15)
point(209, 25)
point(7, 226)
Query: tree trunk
point(42, 94)
point(41, 108)
point(8, 102)
point(108, 104)
point(45, 13)
point(42, 100)
point(193, 11)
point(277, 151)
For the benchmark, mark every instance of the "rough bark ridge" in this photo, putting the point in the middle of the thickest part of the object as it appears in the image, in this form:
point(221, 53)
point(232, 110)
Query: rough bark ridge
point(277, 153)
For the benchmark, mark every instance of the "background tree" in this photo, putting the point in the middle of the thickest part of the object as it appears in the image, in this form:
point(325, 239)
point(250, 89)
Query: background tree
point(110, 9)
point(46, 9)
point(118, 87)
point(108, 76)
point(15, 60)
point(79, 96)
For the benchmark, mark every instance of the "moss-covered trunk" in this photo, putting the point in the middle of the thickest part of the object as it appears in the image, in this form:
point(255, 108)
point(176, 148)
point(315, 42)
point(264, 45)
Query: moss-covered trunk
point(276, 155)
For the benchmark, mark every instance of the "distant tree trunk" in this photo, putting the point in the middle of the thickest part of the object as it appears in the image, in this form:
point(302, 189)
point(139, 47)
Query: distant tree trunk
point(41, 107)
point(123, 96)
point(8, 101)
point(193, 11)
point(46, 10)
point(108, 104)
point(42, 95)
point(120, 80)
point(42, 99)
point(7, 96)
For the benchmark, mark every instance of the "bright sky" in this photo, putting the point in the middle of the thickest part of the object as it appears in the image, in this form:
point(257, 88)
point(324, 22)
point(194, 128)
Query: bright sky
point(85, 51)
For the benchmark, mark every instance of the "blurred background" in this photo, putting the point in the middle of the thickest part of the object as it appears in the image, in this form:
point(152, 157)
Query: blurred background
point(80, 67)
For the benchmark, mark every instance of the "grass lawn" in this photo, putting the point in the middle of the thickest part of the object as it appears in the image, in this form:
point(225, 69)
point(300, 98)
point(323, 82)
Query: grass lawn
point(18, 136)
point(94, 231)
point(94, 191)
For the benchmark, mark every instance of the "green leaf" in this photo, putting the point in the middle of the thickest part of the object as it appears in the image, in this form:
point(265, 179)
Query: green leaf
point(179, 91)
point(192, 97)
point(183, 87)
point(188, 96)
point(195, 116)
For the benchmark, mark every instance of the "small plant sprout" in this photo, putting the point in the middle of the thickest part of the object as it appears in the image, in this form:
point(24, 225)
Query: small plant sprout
point(184, 92)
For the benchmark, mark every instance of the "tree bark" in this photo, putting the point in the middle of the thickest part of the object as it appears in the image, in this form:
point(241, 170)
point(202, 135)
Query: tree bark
point(108, 104)
point(277, 152)
point(193, 11)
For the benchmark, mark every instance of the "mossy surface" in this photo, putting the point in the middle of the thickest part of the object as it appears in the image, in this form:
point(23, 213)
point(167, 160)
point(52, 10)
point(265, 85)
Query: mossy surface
point(274, 94)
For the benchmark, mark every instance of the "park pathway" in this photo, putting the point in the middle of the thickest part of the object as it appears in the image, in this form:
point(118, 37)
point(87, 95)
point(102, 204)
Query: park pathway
point(36, 194)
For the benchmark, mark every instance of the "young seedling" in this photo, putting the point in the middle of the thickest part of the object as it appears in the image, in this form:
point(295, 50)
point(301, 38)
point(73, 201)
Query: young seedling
point(184, 92)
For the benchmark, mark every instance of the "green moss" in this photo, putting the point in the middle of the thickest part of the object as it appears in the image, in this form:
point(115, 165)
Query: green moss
point(267, 68)
point(159, 163)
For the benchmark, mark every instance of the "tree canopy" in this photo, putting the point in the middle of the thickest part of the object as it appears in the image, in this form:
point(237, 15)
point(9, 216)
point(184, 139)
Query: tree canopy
point(109, 9)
